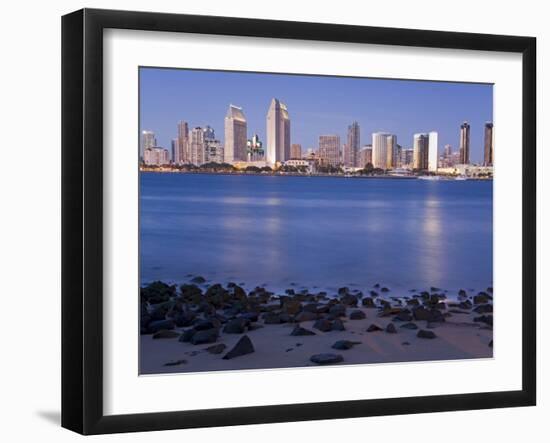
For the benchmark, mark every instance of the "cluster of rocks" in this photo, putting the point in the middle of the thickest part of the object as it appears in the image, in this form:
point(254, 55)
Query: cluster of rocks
point(201, 314)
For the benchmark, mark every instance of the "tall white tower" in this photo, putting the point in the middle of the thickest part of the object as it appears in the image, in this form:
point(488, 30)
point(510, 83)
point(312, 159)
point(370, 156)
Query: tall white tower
point(278, 132)
point(433, 152)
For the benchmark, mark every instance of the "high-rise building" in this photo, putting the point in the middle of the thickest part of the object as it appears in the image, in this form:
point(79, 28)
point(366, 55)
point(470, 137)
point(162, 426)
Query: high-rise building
point(235, 135)
point(488, 145)
point(407, 158)
point(364, 156)
point(183, 143)
point(156, 156)
point(148, 140)
point(255, 149)
point(382, 157)
point(196, 146)
point(465, 143)
point(433, 151)
point(329, 149)
point(212, 148)
point(420, 151)
point(351, 147)
point(278, 132)
point(174, 145)
point(295, 151)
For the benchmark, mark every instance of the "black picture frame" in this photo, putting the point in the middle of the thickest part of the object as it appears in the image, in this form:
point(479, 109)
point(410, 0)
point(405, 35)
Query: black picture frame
point(82, 218)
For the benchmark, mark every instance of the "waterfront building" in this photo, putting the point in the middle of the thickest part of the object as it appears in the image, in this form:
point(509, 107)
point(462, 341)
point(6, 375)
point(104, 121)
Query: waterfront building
point(213, 151)
point(235, 135)
point(295, 151)
point(464, 143)
point(488, 144)
point(174, 150)
point(156, 156)
point(407, 156)
point(196, 146)
point(182, 153)
point(278, 132)
point(433, 151)
point(351, 148)
point(383, 150)
point(364, 156)
point(255, 149)
point(420, 151)
point(329, 150)
point(148, 140)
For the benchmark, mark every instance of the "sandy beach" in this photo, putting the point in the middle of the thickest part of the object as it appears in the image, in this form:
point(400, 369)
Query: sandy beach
point(197, 329)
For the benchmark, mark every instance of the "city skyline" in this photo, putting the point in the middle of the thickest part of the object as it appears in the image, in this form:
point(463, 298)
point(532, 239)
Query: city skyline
point(317, 106)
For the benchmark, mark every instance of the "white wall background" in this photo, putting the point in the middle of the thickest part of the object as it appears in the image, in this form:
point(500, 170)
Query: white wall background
point(30, 217)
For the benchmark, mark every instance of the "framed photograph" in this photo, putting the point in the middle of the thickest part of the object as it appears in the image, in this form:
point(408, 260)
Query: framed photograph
point(269, 221)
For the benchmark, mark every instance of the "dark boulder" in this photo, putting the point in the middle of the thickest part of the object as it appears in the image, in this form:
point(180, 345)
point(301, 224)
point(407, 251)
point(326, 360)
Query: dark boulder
point(343, 345)
point(236, 326)
point(483, 309)
point(390, 328)
point(425, 334)
point(349, 300)
point(409, 325)
point(338, 325)
point(244, 346)
point(299, 331)
point(374, 328)
point(481, 298)
point(357, 315)
point(404, 315)
point(216, 349)
point(368, 302)
point(158, 325)
point(326, 359)
point(204, 324)
point(204, 336)
point(198, 279)
point(272, 318)
point(487, 319)
point(164, 333)
point(187, 335)
point(323, 325)
point(338, 310)
point(305, 316)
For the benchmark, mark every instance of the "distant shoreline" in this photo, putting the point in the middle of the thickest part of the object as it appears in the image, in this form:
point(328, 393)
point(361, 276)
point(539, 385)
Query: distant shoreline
point(325, 175)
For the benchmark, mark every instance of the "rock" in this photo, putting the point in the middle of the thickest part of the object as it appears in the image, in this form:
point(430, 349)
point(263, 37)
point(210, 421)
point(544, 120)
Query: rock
point(343, 345)
point(204, 336)
point(239, 293)
point(250, 316)
point(374, 328)
point(409, 325)
point(384, 289)
point(404, 315)
point(158, 325)
point(216, 349)
point(198, 279)
point(481, 298)
point(299, 331)
point(467, 304)
point(184, 319)
point(373, 294)
point(272, 318)
point(244, 346)
point(292, 307)
point(483, 309)
point(413, 302)
point(462, 293)
point(338, 325)
point(342, 291)
point(337, 310)
point(235, 326)
point(326, 359)
point(406, 343)
point(349, 300)
point(323, 325)
point(310, 307)
point(425, 334)
point(487, 319)
point(390, 329)
point(290, 291)
point(203, 325)
point(305, 316)
point(164, 333)
point(175, 363)
point(432, 315)
point(368, 302)
point(357, 315)
point(187, 335)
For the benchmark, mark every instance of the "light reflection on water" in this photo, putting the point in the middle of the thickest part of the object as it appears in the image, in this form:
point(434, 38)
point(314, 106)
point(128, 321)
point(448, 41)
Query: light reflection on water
point(317, 231)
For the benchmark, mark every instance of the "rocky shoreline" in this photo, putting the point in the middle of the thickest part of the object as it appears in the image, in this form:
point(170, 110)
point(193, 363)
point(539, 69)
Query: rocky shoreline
point(199, 326)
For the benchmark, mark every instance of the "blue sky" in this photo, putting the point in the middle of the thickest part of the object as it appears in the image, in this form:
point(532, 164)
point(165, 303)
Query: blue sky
point(317, 105)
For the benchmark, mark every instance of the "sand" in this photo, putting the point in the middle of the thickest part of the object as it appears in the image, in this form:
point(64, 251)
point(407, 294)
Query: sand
point(459, 337)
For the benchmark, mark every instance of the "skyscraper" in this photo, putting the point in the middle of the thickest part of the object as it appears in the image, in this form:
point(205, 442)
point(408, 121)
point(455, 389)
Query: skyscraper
point(465, 143)
point(391, 150)
point(278, 132)
point(433, 151)
point(175, 152)
point(148, 140)
point(329, 149)
point(235, 135)
point(352, 145)
point(364, 156)
point(212, 148)
point(420, 151)
point(488, 145)
point(196, 146)
point(295, 151)
point(380, 143)
point(156, 156)
point(183, 143)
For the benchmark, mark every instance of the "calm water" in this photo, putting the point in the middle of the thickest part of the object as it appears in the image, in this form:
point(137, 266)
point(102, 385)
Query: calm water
point(316, 232)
